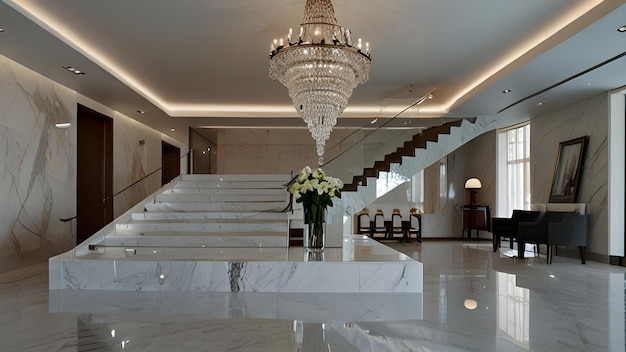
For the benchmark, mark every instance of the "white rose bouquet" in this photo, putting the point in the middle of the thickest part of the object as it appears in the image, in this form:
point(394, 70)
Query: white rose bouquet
point(315, 191)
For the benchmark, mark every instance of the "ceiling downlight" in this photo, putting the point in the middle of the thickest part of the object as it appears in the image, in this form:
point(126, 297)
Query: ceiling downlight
point(74, 70)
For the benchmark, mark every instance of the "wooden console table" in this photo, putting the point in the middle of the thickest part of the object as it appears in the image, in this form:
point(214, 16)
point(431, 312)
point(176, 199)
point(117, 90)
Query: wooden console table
point(475, 217)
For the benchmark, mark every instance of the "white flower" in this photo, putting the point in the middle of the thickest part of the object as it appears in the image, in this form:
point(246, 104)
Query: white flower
point(309, 185)
point(323, 188)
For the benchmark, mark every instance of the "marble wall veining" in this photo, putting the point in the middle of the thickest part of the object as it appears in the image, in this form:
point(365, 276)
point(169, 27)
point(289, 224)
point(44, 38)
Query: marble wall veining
point(38, 165)
point(588, 117)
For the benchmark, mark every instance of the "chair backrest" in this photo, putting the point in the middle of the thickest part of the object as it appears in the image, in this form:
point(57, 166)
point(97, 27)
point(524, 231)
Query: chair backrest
point(396, 220)
point(380, 220)
point(525, 216)
point(364, 221)
point(415, 223)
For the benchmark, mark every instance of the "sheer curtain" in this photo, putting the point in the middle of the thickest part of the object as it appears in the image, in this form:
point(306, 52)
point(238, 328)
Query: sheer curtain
point(513, 180)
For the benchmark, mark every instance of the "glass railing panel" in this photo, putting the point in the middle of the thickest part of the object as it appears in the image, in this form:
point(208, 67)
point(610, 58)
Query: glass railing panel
point(373, 141)
point(351, 156)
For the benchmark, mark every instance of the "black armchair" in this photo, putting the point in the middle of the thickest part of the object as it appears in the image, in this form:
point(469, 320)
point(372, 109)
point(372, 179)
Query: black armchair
point(508, 227)
point(555, 229)
point(533, 232)
point(571, 231)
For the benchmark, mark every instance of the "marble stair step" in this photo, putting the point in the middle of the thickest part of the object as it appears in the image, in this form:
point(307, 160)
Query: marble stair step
point(193, 216)
point(229, 191)
point(234, 177)
point(220, 206)
point(235, 227)
point(189, 253)
point(228, 198)
point(215, 240)
point(277, 185)
point(204, 221)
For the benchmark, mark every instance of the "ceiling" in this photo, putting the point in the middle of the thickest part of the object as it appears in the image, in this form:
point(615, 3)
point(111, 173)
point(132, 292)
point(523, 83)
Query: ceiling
point(205, 63)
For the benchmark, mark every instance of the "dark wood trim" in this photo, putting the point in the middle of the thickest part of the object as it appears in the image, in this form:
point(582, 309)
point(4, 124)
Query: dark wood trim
point(94, 185)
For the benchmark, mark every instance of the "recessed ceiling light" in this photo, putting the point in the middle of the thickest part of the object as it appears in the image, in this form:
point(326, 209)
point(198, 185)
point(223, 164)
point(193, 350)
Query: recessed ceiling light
point(74, 70)
point(172, 129)
point(506, 91)
point(541, 103)
point(622, 29)
point(1, 30)
point(141, 112)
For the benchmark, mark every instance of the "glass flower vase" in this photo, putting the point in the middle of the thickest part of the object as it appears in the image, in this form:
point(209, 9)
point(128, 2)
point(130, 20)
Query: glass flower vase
point(315, 236)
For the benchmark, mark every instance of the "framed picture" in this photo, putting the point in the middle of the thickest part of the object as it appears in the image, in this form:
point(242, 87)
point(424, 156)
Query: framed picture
point(567, 169)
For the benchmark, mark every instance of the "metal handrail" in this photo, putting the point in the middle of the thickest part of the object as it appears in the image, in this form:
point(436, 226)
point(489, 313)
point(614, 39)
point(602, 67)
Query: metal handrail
point(104, 200)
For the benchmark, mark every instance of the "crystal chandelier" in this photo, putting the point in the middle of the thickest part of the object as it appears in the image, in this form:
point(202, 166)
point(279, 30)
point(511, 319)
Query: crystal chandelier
point(320, 68)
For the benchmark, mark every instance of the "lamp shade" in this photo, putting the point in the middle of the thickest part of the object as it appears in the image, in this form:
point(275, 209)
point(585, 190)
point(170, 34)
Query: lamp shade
point(473, 183)
point(470, 304)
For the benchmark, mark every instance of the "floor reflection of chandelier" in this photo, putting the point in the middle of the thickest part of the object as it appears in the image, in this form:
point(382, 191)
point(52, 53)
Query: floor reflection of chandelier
point(320, 68)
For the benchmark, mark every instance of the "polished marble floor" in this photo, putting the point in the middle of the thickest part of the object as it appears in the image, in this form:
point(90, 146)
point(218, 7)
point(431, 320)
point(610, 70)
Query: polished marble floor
point(473, 300)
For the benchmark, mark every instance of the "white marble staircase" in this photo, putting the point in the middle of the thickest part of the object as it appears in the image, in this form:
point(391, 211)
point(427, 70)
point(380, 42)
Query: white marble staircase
point(218, 233)
point(209, 211)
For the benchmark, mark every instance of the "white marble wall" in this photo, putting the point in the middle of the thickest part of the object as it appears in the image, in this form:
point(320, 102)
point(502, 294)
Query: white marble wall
point(133, 161)
point(38, 164)
point(262, 151)
point(37, 161)
point(588, 117)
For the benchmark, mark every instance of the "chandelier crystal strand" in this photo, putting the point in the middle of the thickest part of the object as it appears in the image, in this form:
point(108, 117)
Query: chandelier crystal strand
point(320, 69)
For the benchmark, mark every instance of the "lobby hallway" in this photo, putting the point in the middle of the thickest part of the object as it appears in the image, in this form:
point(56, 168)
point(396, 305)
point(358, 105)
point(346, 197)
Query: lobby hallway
point(524, 305)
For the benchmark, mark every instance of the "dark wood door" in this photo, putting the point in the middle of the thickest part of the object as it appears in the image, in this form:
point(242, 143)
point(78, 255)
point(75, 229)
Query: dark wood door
point(170, 162)
point(95, 173)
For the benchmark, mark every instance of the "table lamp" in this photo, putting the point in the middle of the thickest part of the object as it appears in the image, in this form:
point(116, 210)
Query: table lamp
point(473, 185)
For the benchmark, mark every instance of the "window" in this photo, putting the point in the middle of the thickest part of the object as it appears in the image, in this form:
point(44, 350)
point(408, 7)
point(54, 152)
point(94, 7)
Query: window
point(443, 182)
point(417, 190)
point(387, 181)
point(513, 179)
